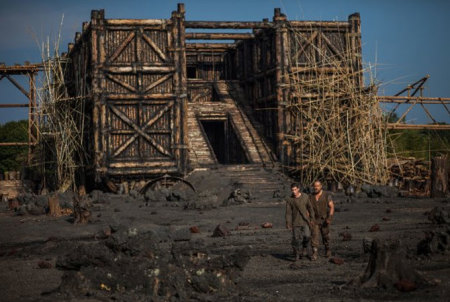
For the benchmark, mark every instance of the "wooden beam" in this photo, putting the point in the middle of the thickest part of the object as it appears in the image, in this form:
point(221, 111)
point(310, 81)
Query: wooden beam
point(132, 96)
point(154, 46)
point(20, 69)
point(322, 24)
point(122, 46)
point(406, 99)
point(219, 36)
point(13, 105)
point(136, 22)
point(319, 69)
point(135, 69)
point(395, 126)
point(190, 46)
point(14, 144)
point(15, 83)
point(157, 82)
point(121, 83)
point(227, 24)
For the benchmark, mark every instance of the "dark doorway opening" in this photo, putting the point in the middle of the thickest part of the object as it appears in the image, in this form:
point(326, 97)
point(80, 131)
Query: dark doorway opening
point(224, 142)
point(191, 72)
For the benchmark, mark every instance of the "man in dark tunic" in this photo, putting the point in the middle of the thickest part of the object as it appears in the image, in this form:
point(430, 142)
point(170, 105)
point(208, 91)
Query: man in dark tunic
point(323, 214)
point(298, 219)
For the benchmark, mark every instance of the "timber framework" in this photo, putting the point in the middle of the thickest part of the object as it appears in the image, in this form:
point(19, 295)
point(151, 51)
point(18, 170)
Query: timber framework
point(157, 101)
point(143, 98)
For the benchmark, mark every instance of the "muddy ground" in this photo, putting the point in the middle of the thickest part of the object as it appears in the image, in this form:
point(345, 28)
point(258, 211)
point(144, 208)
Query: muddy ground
point(142, 249)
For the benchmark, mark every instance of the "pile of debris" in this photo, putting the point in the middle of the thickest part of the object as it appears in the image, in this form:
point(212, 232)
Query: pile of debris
point(56, 204)
point(411, 175)
point(129, 266)
point(436, 241)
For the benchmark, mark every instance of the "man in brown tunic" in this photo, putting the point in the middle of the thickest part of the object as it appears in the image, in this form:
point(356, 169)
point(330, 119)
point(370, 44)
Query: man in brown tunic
point(298, 219)
point(323, 214)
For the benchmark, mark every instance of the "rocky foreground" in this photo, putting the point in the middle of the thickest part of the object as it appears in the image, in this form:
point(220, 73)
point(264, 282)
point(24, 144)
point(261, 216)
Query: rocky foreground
point(176, 245)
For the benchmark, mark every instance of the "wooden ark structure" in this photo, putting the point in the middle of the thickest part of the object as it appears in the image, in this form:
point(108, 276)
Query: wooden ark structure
point(165, 96)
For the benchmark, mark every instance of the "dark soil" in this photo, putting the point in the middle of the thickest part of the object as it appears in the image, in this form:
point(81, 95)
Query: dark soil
point(162, 249)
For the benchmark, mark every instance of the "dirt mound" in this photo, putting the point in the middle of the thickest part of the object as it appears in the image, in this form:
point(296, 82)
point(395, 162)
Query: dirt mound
point(439, 215)
point(129, 266)
point(373, 191)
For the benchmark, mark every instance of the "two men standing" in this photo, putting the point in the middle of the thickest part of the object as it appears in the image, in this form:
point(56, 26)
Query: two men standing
point(309, 217)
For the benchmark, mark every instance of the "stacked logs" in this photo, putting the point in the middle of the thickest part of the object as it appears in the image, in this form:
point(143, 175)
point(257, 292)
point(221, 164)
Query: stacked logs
point(411, 175)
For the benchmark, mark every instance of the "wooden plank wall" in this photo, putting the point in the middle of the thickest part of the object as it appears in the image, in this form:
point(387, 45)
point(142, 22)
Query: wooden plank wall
point(137, 84)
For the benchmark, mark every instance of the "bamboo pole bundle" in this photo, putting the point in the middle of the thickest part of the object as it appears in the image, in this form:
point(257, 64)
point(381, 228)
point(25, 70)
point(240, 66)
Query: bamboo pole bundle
point(61, 119)
point(337, 129)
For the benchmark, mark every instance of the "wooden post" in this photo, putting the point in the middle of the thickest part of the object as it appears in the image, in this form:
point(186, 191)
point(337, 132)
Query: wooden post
point(97, 22)
point(354, 21)
point(32, 125)
point(439, 176)
point(280, 57)
point(183, 90)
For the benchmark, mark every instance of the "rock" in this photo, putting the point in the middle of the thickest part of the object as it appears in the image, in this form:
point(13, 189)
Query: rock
point(203, 201)
point(181, 235)
point(237, 197)
point(337, 260)
point(66, 199)
point(194, 229)
point(176, 195)
point(373, 191)
point(439, 215)
point(374, 228)
point(267, 225)
point(386, 219)
point(95, 196)
point(405, 285)
point(13, 204)
point(434, 242)
point(155, 196)
point(220, 231)
point(44, 264)
point(346, 236)
point(277, 194)
point(134, 193)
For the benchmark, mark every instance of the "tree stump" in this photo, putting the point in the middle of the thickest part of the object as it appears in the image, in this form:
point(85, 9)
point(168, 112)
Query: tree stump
point(80, 210)
point(388, 269)
point(53, 206)
point(439, 176)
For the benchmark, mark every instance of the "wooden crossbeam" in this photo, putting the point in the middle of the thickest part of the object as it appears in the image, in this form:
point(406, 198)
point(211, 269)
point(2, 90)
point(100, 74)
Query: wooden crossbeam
point(407, 99)
point(219, 36)
point(13, 105)
point(140, 131)
point(157, 82)
point(227, 24)
point(209, 46)
point(121, 83)
point(331, 46)
point(15, 83)
point(396, 126)
point(154, 46)
point(122, 46)
point(15, 144)
point(305, 45)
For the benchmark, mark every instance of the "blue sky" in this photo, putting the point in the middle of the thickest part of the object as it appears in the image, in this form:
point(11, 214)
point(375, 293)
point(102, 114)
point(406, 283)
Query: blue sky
point(407, 39)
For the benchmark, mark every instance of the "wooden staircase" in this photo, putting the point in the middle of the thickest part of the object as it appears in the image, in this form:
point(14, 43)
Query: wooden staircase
point(200, 152)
